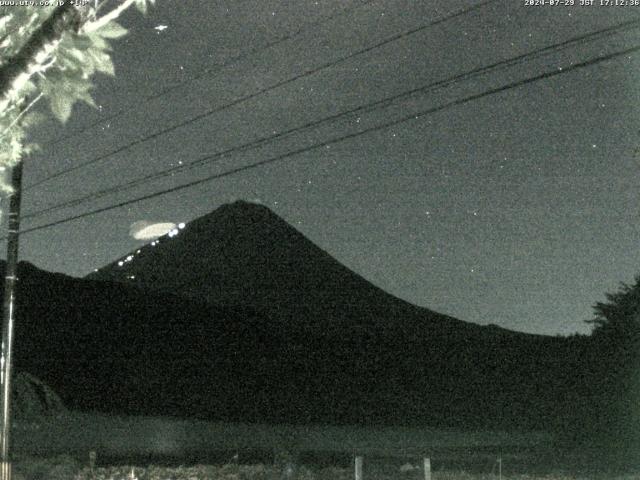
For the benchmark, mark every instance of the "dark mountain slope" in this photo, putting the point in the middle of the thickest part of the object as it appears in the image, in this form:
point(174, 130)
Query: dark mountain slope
point(240, 317)
point(116, 348)
point(244, 254)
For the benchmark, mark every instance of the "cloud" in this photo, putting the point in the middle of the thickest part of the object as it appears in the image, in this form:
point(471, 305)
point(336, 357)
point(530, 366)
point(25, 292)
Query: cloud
point(146, 230)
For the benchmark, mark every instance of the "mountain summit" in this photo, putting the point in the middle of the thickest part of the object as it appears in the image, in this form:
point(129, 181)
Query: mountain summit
point(244, 254)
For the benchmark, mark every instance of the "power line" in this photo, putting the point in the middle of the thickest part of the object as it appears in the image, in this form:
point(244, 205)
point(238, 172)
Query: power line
point(378, 104)
point(262, 91)
point(497, 66)
point(414, 116)
point(241, 56)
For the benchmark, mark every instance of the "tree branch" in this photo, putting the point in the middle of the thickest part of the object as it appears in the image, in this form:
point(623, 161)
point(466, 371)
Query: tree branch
point(103, 20)
point(22, 113)
point(18, 70)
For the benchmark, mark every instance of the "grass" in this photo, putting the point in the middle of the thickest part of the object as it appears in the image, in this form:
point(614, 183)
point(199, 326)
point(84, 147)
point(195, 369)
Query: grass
point(70, 471)
point(199, 450)
point(112, 436)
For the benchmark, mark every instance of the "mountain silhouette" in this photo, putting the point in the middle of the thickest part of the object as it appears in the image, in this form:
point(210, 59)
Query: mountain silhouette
point(237, 316)
point(244, 254)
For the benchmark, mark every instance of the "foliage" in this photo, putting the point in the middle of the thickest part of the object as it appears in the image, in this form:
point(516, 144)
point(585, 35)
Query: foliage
point(611, 375)
point(64, 76)
point(620, 315)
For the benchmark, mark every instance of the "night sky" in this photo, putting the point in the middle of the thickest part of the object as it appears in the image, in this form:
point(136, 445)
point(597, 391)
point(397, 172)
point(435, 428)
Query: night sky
point(519, 208)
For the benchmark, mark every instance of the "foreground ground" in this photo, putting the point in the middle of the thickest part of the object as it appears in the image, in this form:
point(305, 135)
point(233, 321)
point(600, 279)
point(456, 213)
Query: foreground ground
point(125, 447)
point(67, 468)
point(137, 437)
point(263, 473)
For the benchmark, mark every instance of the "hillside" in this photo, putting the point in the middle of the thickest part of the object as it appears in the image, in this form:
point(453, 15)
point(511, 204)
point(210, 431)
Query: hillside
point(244, 254)
point(239, 317)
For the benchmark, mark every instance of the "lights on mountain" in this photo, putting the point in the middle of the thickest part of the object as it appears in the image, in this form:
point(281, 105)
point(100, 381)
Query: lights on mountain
point(175, 231)
point(125, 260)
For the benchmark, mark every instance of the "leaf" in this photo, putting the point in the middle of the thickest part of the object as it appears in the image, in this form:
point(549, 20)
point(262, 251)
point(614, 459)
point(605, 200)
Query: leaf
point(75, 63)
point(48, 81)
point(102, 62)
point(112, 30)
point(4, 20)
point(62, 96)
point(141, 5)
point(32, 119)
point(31, 148)
point(61, 106)
point(86, 97)
point(98, 41)
point(80, 42)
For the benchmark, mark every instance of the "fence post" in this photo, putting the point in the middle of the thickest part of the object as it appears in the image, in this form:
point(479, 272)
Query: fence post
point(500, 468)
point(427, 468)
point(358, 467)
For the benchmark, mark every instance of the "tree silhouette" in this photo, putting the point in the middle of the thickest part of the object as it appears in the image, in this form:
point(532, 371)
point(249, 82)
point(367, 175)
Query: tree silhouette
point(620, 315)
point(612, 374)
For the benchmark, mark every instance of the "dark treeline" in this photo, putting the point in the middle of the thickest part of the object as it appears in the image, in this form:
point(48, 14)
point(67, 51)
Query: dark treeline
point(604, 414)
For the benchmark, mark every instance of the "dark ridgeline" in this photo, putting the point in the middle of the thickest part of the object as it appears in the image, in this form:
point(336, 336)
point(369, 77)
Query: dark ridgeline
point(239, 317)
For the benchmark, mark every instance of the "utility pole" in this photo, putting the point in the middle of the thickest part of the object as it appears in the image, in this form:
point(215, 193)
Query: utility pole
point(33, 57)
point(9, 308)
point(14, 74)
